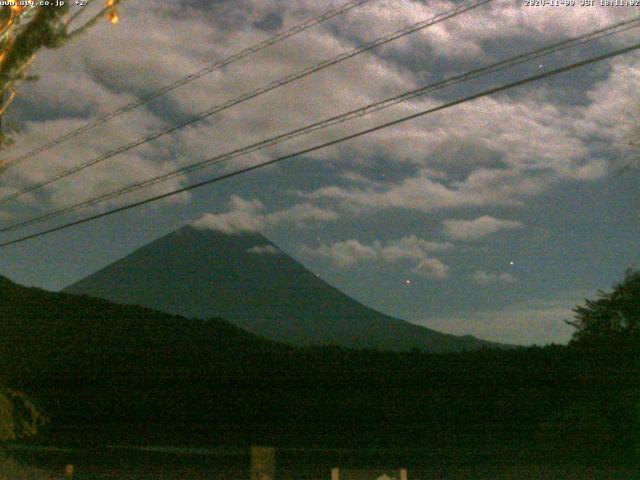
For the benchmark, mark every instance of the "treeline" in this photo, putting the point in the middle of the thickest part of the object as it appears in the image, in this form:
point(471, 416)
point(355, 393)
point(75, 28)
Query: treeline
point(107, 373)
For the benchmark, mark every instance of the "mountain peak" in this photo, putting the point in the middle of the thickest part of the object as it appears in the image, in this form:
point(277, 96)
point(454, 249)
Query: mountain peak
point(244, 278)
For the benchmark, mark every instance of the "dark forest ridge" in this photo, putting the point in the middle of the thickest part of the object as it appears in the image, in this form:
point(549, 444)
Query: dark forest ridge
point(113, 369)
point(116, 374)
point(247, 280)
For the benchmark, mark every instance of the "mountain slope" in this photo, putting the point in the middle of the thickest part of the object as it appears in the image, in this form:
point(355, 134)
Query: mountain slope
point(39, 328)
point(247, 280)
point(102, 370)
point(116, 375)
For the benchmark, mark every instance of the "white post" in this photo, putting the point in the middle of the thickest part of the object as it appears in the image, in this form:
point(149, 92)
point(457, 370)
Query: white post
point(68, 471)
point(263, 463)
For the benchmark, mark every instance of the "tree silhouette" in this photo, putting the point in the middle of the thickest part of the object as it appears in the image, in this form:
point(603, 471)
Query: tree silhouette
point(25, 30)
point(608, 338)
point(19, 417)
point(613, 320)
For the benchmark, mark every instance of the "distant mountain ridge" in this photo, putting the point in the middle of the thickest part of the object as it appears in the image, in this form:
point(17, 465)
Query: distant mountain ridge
point(248, 281)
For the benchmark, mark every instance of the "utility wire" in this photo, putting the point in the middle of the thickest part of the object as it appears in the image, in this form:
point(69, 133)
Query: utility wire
point(329, 14)
point(321, 146)
point(325, 123)
point(253, 94)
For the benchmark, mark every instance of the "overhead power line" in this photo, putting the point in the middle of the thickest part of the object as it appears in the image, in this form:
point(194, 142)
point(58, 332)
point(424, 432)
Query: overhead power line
point(616, 28)
point(255, 93)
point(328, 15)
point(321, 146)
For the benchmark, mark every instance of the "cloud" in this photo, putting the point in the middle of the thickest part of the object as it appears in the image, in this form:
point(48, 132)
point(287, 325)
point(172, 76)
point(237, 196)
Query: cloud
point(161, 43)
point(243, 217)
point(534, 142)
point(345, 253)
point(350, 252)
point(247, 216)
point(484, 278)
point(481, 227)
point(301, 214)
point(421, 192)
point(466, 36)
point(264, 250)
point(185, 38)
point(538, 321)
point(432, 268)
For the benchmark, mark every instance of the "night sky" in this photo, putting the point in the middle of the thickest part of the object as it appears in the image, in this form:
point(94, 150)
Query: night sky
point(492, 218)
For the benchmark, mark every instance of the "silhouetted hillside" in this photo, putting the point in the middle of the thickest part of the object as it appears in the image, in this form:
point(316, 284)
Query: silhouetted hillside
point(122, 374)
point(92, 359)
point(248, 281)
